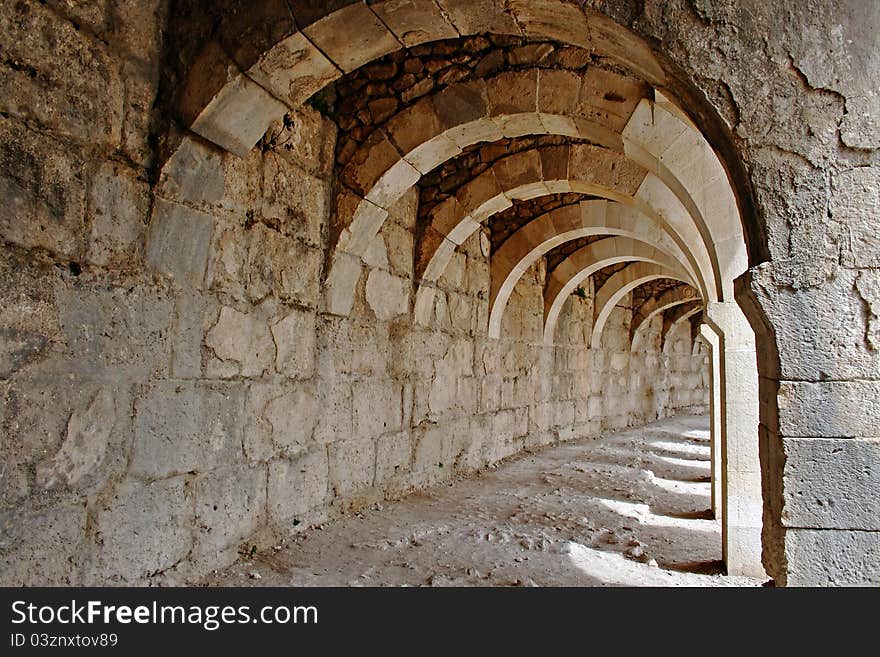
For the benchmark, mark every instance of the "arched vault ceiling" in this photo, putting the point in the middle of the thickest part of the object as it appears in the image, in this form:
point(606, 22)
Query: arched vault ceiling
point(381, 171)
point(561, 252)
point(612, 292)
point(655, 298)
point(652, 289)
point(691, 312)
point(368, 98)
point(442, 183)
point(582, 168)
point(679, 313)
point(601, 276)
point(505, 223)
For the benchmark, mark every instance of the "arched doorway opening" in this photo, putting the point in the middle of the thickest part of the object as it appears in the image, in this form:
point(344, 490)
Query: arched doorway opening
point(652, 179)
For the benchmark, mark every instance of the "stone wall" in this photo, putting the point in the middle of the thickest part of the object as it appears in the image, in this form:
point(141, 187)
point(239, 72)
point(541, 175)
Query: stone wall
point(172, 390)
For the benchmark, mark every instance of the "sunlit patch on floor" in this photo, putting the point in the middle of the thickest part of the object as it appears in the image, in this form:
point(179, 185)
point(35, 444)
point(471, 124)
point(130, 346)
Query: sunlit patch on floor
point(699, 434)
point(689, 463)
point(613, 569)
point(681, 447)
point(683, 487)
point(642, 513)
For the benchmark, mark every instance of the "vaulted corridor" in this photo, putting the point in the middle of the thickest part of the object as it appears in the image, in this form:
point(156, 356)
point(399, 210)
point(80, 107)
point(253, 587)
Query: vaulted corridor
point(629, 508)
point(269, 263)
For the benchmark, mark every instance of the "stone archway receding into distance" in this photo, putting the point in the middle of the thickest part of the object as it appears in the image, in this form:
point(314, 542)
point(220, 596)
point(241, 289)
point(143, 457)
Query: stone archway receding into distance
point(234, 94)
point(232, 97)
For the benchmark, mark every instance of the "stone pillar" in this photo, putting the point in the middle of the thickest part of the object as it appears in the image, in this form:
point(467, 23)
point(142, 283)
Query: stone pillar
point(710, 338)
point(741, 501)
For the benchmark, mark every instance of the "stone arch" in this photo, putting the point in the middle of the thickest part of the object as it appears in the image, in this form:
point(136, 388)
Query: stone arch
point(622, 283)
point(672, 298)
point(268, 59)
point(688, 161)
point(588, 218)
point(464, 114)
point(226, 104)
point(531, 174)
point(678, 315)
point(586, 261)
point(235, 91)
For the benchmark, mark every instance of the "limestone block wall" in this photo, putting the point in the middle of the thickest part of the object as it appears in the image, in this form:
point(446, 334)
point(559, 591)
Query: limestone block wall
point(172, 388)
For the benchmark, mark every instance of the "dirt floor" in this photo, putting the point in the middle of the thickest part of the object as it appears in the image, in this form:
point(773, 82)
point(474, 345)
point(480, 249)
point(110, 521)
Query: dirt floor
point(631, 508)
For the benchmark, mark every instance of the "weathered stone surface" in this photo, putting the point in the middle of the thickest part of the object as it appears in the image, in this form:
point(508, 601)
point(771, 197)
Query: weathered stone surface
point(230, 505)
point(308, 143)
point(415, 21)
point(63, 79)
point(801, 240)
point(836, 409)
point(461, 104)
point(144, 530)
point(477, 17)
point(221, 104)
point(352, 466)
point(512, 93)
point(377, 407)
point(838, 60)
point(294, 69)
point(370, 162)
point(85, 444)
point(399, 245)
point(292, 415)
point(335, 420)
point(140, 80)
point(339, 353)
point(809, 332)
point(35, 415)
point(28, 316)
point(297, 486)
point(178, 242)
point(352, 37)
point(294, 200)
point(186, 427)
point(432, 445)
point(119, 205)
point(868, 287)
point(854, 205)
point(243, 340)
point(344, 274)
point(831, 484)
point(393, 457)
point(257, 260)
point(42, 547)
point(188, 332)
point(111, 329)
point(847, 558)
point(42, 189)
point(94, 14)
point(194, 174)
point(295, 337)
point(134, 26)
point(387, 295)
point(546, 19)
